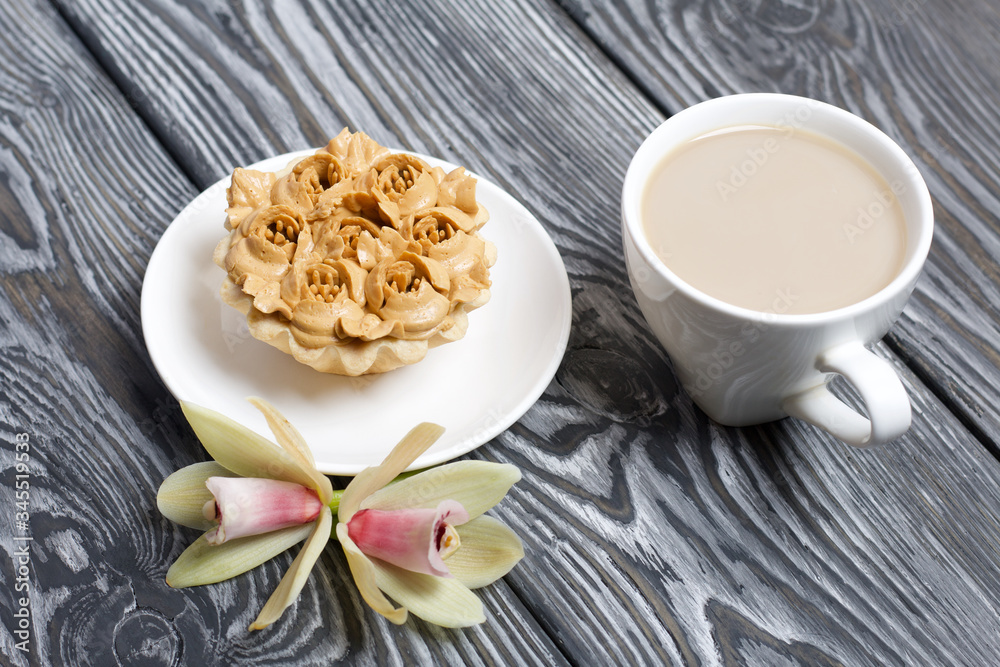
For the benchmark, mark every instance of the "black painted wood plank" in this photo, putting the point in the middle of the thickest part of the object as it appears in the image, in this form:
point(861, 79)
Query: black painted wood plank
point(653, 535)
point(85, 192)
point(923, 72)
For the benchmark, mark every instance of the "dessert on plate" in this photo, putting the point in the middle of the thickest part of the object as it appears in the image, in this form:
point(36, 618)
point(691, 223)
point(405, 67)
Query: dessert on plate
point(355, 260)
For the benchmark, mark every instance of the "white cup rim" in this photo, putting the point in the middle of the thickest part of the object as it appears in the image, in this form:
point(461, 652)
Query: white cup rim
point(649, 153)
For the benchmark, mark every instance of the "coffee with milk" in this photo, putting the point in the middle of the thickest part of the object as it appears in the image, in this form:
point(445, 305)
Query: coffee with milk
point(774, 220)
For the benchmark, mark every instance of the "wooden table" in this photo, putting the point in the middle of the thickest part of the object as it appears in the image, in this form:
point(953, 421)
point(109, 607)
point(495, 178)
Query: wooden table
point(652, 535)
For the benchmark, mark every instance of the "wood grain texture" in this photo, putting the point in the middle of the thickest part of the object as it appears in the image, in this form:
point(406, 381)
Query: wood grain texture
point(652, 535)
point(923, 72)
point(85, 191)
point(732, 545)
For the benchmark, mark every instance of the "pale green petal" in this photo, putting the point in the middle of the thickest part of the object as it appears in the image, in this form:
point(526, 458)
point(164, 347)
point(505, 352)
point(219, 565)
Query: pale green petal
point(289, 437)
point(244, 452)
point(363, 572)
point(291, 584)
point(439, 600)
point(183, 495)
point(489, 550)
point(478, 485)
point(202, 563)
point(413, 444)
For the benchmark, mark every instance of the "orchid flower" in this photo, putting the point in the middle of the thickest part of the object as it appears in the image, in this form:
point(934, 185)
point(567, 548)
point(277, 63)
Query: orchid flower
point(256, 500)
point(424, 540)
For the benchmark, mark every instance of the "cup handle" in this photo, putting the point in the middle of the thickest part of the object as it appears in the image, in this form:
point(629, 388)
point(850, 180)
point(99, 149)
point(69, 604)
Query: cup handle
point(877, 383)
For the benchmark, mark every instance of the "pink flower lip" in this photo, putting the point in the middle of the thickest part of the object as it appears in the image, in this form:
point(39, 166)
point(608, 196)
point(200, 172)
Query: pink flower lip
point(413, 539)
point(250, 506)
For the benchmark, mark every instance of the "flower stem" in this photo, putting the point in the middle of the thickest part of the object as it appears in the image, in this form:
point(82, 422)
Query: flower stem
point(335, 502)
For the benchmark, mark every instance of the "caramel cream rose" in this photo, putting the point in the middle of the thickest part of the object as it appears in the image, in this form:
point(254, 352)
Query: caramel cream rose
point(405, 180)
point(325, 303)
point(411, 292)
point(355, 260)
point(447, 236)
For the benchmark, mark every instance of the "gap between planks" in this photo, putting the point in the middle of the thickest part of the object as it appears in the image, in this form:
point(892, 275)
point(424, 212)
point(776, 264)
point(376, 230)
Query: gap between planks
point(115, 77)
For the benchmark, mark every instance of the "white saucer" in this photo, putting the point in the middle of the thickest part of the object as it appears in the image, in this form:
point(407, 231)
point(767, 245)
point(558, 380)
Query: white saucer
point(475, 387)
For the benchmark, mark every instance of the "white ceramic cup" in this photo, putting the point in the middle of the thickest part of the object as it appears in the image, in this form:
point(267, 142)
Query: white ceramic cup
point(747, 367)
